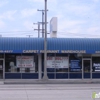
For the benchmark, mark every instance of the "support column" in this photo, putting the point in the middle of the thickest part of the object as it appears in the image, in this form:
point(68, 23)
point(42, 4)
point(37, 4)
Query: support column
point(82, 69)
point(91, 67)
point(39, 66)
point(4, 67)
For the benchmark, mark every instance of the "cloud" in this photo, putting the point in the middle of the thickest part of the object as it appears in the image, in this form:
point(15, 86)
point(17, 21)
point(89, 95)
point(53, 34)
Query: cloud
point(39, 1)
point(93, 30)
point(28, 12)
point(76, 29)
point(50, 3)
point(8, 15)
point(67, 24)
point(2, 3)
point(35, 0)
point(2, 24)
point(96, 1)
point(28, 25)
point(79, 10)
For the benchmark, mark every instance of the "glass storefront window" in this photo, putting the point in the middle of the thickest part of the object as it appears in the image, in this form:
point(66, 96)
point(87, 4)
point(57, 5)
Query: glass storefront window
point(10, 63)
point(21, 66)
point(75, 67)
point(1, 55)
point(75, 63)
point(57, 63)
point(64, 62)
point(95, 64)
point(50, 64)
point(31, 63)
point(57, 66)
point(21, 63)
point(96, 67)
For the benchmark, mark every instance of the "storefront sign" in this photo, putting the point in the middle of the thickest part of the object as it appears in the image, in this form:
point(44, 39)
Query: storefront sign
point(24, 61)
point(75, 65)
point(6, 51)
point(73, 51)
point(57, 62)
point(50, 51)
point(96, 66)
point(30, 51)
point(97, 51)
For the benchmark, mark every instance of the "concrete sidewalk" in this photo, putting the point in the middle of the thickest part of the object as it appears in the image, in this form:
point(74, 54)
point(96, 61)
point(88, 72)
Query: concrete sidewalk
point(48, 91)
point(52, 81)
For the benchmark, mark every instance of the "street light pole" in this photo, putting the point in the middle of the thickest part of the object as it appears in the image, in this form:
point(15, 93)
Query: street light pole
point(45, 77)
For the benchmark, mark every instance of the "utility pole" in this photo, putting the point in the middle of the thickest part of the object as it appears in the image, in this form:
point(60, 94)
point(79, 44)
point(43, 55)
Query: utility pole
point(45, 77)
point(38, 29)
point(43, 23)
point(29, 35)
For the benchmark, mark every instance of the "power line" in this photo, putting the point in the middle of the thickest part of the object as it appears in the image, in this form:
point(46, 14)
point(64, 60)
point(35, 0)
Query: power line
point(14, 31)
point(59, 33)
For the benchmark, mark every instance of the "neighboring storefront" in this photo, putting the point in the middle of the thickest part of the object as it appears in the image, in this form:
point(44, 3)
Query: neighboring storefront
point(23, 58)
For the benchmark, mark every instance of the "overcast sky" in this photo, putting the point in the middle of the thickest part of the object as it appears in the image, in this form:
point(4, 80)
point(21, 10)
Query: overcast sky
point(76, 18)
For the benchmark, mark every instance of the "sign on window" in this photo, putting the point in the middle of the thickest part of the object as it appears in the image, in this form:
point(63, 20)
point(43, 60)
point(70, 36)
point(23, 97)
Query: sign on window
point(25, 61)
point(57, 62)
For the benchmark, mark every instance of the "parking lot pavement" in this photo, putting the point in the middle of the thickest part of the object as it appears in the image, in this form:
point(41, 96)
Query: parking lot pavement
point(48, 91)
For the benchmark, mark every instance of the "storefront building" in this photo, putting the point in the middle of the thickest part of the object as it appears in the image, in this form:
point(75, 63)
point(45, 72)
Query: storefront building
point(67, 58)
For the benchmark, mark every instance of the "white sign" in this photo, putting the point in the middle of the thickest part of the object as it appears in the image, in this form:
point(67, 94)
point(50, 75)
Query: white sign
point(57, 62)
point(24, 61)
point(97, 66)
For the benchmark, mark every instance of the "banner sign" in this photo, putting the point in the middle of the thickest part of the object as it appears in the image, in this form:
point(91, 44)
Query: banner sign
point(75, 65)
point(57, 62)
point(51, 51)
point(24, 61)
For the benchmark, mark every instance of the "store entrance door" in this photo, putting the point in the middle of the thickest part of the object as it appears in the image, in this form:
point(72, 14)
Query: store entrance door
point(87, 68)
point(1, 69)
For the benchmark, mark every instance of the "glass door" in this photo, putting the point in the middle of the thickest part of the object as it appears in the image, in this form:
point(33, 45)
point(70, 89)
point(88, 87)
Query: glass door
point(86, 68)
point(1, 69)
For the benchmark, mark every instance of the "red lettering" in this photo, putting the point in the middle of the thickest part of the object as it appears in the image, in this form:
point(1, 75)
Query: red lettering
point(58, 58)
point(49, 58)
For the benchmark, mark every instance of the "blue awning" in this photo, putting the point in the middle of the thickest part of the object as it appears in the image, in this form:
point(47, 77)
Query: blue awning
point(54, 45)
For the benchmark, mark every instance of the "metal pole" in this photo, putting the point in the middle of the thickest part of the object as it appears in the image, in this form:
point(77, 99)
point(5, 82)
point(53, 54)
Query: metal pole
point(29, 35)
point(38, 30)
point(42, 21)
point(45, 77)
point(42, 24)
